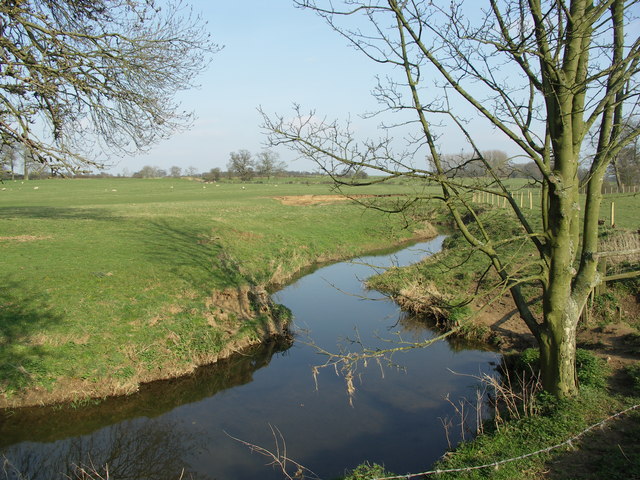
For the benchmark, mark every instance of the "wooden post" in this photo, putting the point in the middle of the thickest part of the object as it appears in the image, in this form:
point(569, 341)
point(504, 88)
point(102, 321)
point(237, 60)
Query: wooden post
point(613, 214)
point(602, 269)
point(530, 200)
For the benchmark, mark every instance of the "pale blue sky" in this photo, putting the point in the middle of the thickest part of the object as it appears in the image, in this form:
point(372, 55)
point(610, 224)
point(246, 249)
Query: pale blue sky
point(274, 55)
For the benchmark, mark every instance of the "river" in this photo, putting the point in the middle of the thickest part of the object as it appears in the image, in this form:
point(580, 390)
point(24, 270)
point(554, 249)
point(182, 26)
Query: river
point(186, 424)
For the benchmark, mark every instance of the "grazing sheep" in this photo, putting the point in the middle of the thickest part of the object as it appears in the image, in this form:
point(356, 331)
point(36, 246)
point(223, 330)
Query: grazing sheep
point(36, 188)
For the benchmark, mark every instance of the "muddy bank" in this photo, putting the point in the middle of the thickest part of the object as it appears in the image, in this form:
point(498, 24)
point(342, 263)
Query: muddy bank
point(501, 327)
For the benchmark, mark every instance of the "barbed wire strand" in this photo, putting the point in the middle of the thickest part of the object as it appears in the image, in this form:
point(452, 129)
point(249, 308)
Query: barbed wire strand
point(508, 460)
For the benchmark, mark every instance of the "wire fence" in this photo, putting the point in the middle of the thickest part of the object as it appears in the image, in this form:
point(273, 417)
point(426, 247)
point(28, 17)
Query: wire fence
point(496, 464)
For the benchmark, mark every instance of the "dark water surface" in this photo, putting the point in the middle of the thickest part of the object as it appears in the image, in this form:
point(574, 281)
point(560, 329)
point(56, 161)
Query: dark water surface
point(185, 424)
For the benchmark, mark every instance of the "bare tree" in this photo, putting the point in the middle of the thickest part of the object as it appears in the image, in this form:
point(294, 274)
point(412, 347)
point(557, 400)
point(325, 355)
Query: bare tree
point(192, 171)
point(212, 175)
point(545, 74)
point(469, 165)
point(78, 75)
point(268, 165)
point(241, 164)
point(8, 159)
point(149, 171)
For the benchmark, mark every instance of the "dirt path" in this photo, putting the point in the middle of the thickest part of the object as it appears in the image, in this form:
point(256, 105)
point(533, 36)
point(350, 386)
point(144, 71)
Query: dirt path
point(618, 343)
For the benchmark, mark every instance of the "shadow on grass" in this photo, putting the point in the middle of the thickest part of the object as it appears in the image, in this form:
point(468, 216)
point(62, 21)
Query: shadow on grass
point(57, 213)
point(611, 452)
point(195, 254)
point(23, 314)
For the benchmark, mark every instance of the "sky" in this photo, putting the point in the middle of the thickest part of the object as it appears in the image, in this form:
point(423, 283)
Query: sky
point(274, 56)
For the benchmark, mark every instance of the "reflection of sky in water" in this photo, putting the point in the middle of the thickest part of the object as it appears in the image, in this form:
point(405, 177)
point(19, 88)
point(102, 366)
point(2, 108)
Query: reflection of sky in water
point(395, 419)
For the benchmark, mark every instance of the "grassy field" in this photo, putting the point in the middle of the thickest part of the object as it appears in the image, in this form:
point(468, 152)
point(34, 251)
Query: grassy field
point(107, 282)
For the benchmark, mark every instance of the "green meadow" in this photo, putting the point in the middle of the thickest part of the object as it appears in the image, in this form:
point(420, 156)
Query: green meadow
point(108, 282)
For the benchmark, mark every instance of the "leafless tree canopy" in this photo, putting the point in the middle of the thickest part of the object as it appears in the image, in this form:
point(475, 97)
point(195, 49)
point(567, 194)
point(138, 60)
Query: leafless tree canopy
point(82, 78)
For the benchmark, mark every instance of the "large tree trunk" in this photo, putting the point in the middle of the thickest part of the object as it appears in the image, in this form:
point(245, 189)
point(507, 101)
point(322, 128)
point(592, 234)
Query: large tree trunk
point(558, 354)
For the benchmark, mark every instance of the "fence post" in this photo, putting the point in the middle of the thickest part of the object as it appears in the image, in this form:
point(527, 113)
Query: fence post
point(613, 214)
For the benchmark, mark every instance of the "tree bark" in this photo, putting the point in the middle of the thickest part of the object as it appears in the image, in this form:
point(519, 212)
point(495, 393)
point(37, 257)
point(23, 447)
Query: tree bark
point(558, 353)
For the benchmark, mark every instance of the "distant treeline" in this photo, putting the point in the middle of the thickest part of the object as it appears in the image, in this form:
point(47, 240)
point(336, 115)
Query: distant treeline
point(244, 166)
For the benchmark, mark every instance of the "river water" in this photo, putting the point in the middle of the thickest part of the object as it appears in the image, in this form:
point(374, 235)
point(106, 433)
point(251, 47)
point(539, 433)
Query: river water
point(395, 419)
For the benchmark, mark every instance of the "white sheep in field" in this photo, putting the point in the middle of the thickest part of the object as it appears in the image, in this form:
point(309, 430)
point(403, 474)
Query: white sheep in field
point(36, 188)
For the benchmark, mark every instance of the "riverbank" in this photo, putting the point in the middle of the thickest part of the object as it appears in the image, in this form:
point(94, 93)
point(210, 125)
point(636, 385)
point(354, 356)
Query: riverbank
point(455, 288)
point(402, 405)
point(245, 316)
point(594, 436)
point(115, 282)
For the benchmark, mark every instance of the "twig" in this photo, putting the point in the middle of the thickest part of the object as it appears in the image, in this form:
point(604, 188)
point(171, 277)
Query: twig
point(279, 459)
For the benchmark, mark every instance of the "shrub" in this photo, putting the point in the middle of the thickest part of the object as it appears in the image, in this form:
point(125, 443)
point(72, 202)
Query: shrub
point(366, 471)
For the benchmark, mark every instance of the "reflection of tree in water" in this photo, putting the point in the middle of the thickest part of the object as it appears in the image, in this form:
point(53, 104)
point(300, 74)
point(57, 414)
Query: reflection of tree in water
point(137, 449)
point(47, 425)
point(416, 328)
point(131, 435)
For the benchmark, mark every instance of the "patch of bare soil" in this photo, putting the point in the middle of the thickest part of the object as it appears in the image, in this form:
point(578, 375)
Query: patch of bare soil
point(306, 200)
point(24, 238)
point(506, 326)
point(618, 343)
